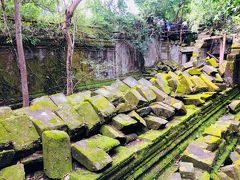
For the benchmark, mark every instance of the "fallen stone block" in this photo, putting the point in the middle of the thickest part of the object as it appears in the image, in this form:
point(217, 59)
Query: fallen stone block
point(200, 158)
point(210, 70)
point(161, 82)
point(195, 99)
point(5, 112)
point(134, 98)
point(211, 86)
point(130, 137)
point(43, 102)
point(163, 110)
point(161, 96)
point(137, 117)
point(131, 82)
point(155, 123)
point(94, 159)
point(122, 121)
point(103, 106)
point(146, 92)
point(218, 78)
point(222, 176)
point(33, 159)
point(77, 98)
point(213, 130)
point(5, 140)
point(74, 122)
point(237, 149)
point(120, 86)
point(186, 170)
point(111, 131)
point(185, 86)
point(88, 115)
point(175, 176)
point(145, 82)
point(46, 120)
point(177, 104)
point(229, 171)
point(143, 112)
point(211, 141)
point(57, 159)
point(199, 83)
point(234, 106)
point(222, 68)
point(125, 107)
point(173, 81)
point(187, 65)
point(194, 71)
point(211, 62)
point(22, 133)
point(15, 172)
point(6, 158)
point(234, 156)
point(103, 142)
point(59, 99)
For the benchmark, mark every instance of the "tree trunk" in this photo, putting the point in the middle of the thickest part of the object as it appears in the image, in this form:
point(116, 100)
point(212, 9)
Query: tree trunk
point(20, 52)
point(70, 44)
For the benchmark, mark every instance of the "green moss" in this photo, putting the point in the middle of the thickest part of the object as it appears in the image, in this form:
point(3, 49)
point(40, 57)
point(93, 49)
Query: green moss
point(103, 142)
point(88, 115)
point(151, 135)
point(56, 154)
point(22, 133)
point(102, 105)
point(43, 102)
point(211, 86)
point(83, 174)
point(212, 62)
point(5, 112)
point(77, 98)
point(15, 172)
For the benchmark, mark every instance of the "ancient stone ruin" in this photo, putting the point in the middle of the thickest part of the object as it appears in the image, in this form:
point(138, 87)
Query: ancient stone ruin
point(134, 128)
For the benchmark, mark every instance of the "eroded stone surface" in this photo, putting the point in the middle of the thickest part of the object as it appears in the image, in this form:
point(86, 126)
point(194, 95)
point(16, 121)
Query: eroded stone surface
point(15, 172)
point(130, 81)
point(5, 112)
point(43, 102)
point(155, 123)
point(122, 121)
point(161, 109)
point(77, 98)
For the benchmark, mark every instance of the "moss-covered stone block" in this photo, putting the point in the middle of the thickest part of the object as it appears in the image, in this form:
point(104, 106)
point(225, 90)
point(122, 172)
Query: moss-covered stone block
point(46, 120)
point(111, 94)
point(185, 86)
point(199, 83)
point(122, 121)
point(134, 98)
point(6, 158)
point(56, 154)
point(88, 115)
point(43, 102)
point(103, 142)
point(137, 117)
point(59, 99)
point(22, 133)
point(131, 82)
point(200, 158)
point(145, 82)
point(211, 86)
point(94, 159)
point(161, 96)
point(212, 142)
point(120, 86)
point(218, 78)
point(187, 65)
point(102, 105)
point(15, 172)
point(5, 140)
point(161, 82)
point(146, 92)
point(155, 123)
point(234, 106)
point(112, 132)
point(186, 170)
point(222, 68)
point(210, 70)
point(74, 122)
point(213, 131)
point(194, 71)
point(173, 81)
point(161, 109)
point(177, 104)
point(77, 98)
point(5, 112)
point(212, 62)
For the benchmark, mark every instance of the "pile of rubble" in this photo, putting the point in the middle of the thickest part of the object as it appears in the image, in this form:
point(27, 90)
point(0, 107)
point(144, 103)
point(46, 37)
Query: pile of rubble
point(204, 156)
point(115, 131)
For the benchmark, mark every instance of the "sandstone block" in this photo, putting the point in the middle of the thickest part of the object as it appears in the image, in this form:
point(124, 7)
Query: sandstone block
point(155, 123)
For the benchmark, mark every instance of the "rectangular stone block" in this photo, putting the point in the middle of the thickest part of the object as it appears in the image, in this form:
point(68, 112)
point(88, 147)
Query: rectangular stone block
point(131, 82)
point(163, 110)
point(94, 159)
point(22, 133)
point(111, 131)
point(122, 121)
point(146, 92)
point(59, 99)
point(77, 98)
point(15, 172)
point(46, 120)
point(134, 98)
point(102, 105)
point(43, 102)
point(57, 158)
point(155, 123)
